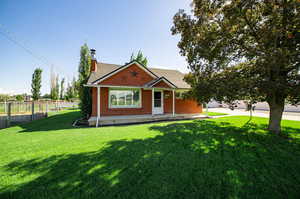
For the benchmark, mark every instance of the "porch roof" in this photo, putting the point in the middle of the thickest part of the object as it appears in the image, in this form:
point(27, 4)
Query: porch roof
point(157, 80)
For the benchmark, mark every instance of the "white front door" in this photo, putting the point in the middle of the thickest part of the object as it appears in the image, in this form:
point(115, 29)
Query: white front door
point(158, 104)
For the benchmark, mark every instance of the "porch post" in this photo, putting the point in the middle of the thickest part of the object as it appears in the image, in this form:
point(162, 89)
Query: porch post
point(98, 106)
point(173, 102)
point(152, 100)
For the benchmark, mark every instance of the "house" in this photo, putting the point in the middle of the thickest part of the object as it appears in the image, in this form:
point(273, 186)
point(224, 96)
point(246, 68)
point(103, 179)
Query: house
point(134, 93)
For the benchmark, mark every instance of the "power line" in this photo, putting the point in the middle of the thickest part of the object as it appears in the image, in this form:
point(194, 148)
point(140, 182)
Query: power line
point(8, 35)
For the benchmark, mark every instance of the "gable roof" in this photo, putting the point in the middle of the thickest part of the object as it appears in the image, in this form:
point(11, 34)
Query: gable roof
point(122, 68)
point(173, 76)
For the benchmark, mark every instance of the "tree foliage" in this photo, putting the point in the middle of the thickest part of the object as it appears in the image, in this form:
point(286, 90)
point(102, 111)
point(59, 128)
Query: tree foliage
point(243, 50)
point(36, 84)
point(62, 88)
point(84, 73)
point(72, 90)
point(54, 85)
point(20, 97)
point(4, 97)
point(139, 58)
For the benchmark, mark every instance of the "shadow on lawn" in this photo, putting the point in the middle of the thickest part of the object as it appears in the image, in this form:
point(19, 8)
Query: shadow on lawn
point(199, 159)
point(55, 122)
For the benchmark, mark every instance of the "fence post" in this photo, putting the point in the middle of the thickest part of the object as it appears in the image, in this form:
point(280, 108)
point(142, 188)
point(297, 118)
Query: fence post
point(9, 114)
point(46, 106)
point(5, 108)
point(32, 111)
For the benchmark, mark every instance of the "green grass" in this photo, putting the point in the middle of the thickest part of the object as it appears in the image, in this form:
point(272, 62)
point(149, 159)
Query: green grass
point(214, 113)
point(217, 158)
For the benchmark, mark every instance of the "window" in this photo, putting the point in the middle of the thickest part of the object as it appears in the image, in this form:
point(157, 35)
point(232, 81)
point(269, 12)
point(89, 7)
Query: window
point(124, 98)
point(180, 94)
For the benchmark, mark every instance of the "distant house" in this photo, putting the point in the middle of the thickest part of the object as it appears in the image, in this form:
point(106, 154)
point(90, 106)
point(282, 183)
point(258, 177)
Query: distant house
point(134, 93)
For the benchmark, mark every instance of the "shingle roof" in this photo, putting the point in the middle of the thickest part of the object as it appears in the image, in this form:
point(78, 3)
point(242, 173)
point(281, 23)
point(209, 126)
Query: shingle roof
point(173, 76)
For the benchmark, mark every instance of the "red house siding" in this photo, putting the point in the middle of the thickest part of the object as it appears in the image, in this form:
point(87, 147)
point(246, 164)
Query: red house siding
point(168, 102)
point(181, 106)
point(131, 76)
point(161, 84)
point(187, 107)
point(94, 101)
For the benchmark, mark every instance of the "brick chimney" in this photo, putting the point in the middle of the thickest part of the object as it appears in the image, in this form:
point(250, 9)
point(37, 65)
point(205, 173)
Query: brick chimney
point(93, 61)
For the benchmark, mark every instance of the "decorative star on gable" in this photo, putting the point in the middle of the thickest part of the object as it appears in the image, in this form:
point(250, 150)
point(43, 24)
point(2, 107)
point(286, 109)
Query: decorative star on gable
point(134, 73)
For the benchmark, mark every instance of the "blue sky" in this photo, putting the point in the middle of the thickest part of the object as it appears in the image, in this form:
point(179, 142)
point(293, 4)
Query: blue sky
point(55, 30)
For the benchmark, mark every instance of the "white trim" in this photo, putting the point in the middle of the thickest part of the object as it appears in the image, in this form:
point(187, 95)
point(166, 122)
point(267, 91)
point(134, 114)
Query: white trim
point(113, 86)
point(152, 101)
point(159, 88)
point(124, 67)
point(124, 106)
point(162, 101)
point(180, 92)
point(173, 104)
point(98, 106)
point(145, 88)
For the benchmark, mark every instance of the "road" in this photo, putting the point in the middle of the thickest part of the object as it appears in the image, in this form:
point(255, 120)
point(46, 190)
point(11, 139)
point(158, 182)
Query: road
point(286, 115)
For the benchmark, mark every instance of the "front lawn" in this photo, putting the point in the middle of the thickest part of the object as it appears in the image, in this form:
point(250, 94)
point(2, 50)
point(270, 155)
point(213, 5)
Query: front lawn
point(216, 158)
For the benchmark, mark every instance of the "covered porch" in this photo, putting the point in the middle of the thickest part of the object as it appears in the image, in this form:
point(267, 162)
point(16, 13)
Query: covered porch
point(155, 99)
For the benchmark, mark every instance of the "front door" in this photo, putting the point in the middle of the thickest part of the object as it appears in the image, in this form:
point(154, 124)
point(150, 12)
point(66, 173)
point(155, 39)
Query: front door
point(158, 107)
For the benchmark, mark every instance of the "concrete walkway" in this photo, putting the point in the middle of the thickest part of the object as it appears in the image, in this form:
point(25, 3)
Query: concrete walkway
point(259, 113)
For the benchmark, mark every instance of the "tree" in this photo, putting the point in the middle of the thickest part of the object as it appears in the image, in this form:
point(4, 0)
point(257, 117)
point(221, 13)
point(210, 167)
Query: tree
point(75, 87)
point(57, 87)
point(4, 97)
point(54, 85)
point(47, 96)
point(20, 98)
point(62, 82)
point(72, 90)
point(240, 50)
point(139, 58)
point(36, 84)
point(69, 92)
point(84, 73)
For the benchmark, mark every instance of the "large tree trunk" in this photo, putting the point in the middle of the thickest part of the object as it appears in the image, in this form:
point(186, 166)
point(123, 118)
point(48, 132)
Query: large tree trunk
point(276, 110)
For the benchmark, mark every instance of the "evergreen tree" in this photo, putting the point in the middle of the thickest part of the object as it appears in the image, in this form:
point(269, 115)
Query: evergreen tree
point(54, 86)
point(36, 84)
point(139, 58)
point(72, 90)
point(84, 73)
point(75, 87)
point(57, 88)
point(69, 92)
point(62, 82)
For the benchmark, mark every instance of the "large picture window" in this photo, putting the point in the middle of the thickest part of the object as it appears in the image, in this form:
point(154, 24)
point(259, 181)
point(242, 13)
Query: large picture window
point(124, 98)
